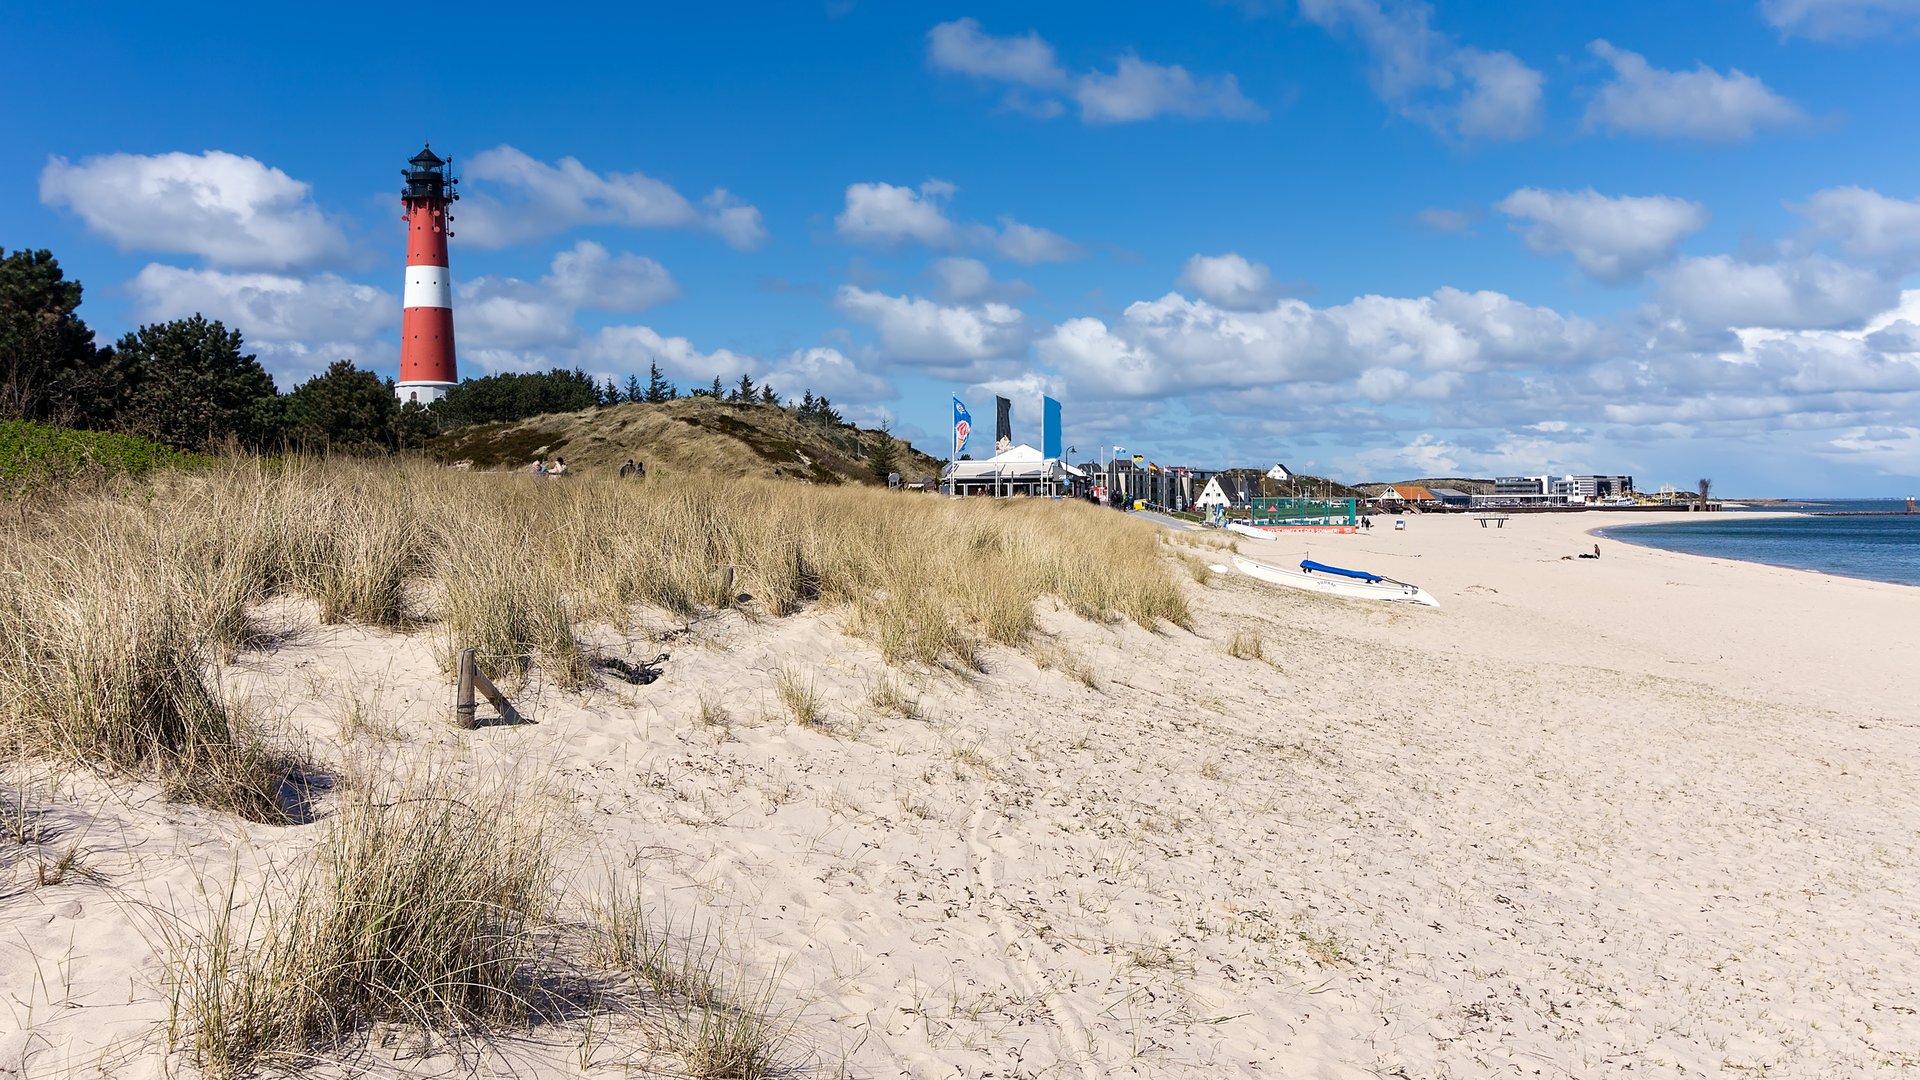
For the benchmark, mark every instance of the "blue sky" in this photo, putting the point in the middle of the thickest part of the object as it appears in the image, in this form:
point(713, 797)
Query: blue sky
point(1369, 238)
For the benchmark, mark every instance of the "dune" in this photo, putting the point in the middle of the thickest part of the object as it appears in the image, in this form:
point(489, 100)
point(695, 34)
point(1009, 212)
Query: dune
point(1649, 814)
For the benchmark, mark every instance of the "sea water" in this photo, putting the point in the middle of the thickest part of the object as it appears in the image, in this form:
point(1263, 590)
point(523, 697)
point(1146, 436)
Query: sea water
point(1878, 547)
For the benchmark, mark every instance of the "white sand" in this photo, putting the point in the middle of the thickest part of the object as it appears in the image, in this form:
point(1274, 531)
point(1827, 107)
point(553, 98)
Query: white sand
point(1649, 815)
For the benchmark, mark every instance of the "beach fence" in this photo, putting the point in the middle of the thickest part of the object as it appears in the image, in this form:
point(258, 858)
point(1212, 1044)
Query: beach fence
point(469, 678)
point(1340, 515)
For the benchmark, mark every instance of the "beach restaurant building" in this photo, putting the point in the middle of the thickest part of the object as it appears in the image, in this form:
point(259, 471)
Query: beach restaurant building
point(1019, 470)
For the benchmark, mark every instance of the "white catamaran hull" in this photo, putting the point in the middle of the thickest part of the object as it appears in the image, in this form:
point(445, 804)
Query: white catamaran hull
point(1336, 585)
point(1248, 530)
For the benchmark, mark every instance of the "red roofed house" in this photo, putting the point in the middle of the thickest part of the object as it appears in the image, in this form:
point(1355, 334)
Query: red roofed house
point(1411, 494)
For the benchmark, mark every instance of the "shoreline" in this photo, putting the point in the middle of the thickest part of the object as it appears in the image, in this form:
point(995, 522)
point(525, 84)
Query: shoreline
point(1614, 532)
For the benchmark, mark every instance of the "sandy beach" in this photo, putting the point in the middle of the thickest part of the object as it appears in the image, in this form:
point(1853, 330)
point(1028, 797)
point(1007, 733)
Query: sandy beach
point(1646, 815)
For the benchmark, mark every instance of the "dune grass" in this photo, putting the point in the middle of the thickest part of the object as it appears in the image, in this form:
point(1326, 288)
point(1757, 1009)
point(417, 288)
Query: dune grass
point(435, 909)
point(117, 606)
point(420, 907)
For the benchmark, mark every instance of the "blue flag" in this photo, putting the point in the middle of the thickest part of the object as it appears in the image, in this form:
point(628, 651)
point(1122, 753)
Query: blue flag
point(962, 426)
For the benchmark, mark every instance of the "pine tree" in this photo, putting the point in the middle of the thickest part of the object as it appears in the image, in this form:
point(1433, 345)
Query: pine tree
point(717, 391)
point(767, 396)
point(746, 391)
point(884, 458)
point(807, 405)
point(658, 388)
point(634, 393)
point(189, 384)
point(49, 366)
point(344, 410)
point(610, 394)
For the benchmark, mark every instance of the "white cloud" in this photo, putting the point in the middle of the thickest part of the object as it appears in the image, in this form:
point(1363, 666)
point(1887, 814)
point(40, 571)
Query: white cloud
point(1701, 104)
point(1175, 344)
point(915, 330)
point(1865, 222)
point(825, 371)
point(1134, 90)
point(1893, 449)
point(1836, 19)
point(1613, 239)
point(590, 279)
point(1031, 244)
point(297, 326)
point(960, 280)
point(1442, 220)
point(227, 209)
point(1229, 280)
point(523, 199)
point(617, 349)
point(508, 313)
point(1138, 90)
point(1813, 292)
point(270, 307)
point(1502, 96)
point(888, 215)
point(960, 46)
point(1425, 75)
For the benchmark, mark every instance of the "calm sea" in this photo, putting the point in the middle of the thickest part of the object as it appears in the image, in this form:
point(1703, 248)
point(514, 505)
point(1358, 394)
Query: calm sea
point(1876, 548)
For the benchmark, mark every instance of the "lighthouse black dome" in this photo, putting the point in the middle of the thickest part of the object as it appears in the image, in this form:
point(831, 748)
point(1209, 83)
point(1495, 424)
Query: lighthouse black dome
point(429, 177)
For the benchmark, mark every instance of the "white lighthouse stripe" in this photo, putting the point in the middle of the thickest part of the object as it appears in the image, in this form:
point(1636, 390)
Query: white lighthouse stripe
point(429, 286)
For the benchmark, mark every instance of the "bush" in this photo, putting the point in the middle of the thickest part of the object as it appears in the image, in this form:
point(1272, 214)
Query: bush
point(34, 456)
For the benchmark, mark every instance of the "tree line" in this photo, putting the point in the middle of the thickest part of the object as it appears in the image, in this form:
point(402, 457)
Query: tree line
point(190, 383)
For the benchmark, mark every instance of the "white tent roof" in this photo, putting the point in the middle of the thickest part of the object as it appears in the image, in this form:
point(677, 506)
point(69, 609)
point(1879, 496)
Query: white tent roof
point(1020, 462)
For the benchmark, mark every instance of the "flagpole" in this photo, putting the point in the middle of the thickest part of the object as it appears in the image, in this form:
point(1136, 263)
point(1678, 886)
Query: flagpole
point(953, 455)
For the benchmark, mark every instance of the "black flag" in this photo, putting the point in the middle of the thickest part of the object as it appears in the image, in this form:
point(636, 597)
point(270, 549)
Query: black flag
point(1002, 423)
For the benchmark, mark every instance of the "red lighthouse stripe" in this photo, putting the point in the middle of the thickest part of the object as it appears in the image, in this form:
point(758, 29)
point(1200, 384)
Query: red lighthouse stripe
point(427, 233)
point(426, 345)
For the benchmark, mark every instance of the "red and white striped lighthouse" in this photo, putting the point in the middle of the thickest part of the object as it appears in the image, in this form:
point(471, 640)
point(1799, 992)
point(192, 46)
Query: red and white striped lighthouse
point(426, 326)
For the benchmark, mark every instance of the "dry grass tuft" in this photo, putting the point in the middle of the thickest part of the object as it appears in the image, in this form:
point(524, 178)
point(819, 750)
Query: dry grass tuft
point(435, 911)
point(801, 700)
point(419, 907)
point(713, 713)
point(1247, 645)
point(890, 698)
point(719, 1017)
point(111, 623)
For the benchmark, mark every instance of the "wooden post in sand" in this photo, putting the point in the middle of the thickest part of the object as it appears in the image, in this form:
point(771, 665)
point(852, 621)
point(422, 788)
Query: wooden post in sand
point(469, 679)
point(463, 707)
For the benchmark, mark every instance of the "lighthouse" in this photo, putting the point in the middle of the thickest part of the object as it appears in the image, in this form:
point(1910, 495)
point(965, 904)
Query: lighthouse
point(426, 325)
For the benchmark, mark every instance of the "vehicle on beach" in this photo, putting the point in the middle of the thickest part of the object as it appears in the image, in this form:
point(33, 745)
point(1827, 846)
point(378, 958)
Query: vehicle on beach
point(1319, 577)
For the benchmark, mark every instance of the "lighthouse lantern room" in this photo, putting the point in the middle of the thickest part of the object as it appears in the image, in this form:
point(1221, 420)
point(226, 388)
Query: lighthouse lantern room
point(426, 325)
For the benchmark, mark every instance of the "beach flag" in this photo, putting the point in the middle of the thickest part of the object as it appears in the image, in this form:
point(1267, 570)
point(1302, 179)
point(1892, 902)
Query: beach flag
point(1002, 424)
point(1119, 451)
point(962, 426)
point(1050, 434)
point(1139, 459)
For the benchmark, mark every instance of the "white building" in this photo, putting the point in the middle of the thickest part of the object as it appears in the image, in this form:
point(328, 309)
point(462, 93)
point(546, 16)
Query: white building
point(1018, 470)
